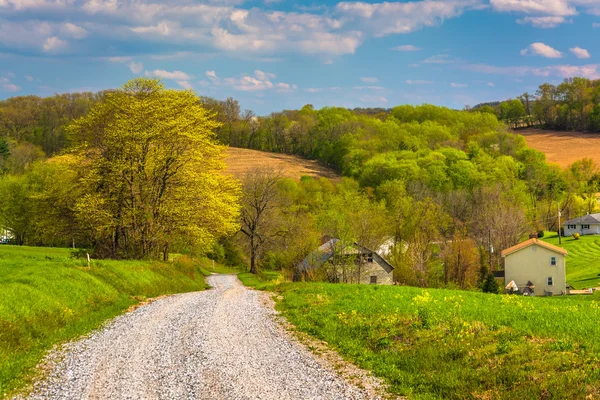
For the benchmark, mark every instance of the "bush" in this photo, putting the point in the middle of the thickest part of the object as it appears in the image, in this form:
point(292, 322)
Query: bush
point(540, 234)
point(576, 236)
point(490, 285)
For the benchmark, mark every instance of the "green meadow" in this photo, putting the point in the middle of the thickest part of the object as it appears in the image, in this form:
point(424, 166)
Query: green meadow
point(583, 261)
point(47, 297)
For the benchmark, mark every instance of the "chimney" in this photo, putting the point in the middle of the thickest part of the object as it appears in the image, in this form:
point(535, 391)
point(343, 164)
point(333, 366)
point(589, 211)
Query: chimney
point(533, 235)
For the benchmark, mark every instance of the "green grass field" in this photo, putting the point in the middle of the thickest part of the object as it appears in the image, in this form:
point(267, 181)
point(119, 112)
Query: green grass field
point(444, 344)
point(583, 261)
point(46, 297)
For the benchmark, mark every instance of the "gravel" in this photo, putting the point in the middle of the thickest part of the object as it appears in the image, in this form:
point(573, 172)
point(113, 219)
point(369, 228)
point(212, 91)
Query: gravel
point(224, 343)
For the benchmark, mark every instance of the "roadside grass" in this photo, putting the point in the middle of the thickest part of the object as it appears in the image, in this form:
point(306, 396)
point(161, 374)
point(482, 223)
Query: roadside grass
point(448, 344)
point(583, 261)
point(47, 297)
point(265, 280)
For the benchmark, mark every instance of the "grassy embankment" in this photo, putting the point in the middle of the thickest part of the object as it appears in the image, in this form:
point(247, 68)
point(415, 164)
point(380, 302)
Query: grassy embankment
point(46, 297)
point(436, 343)
point(583, 261)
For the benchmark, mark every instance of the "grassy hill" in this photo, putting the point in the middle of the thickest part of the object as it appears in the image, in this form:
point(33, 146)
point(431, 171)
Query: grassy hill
point(583, 261)
point(47, 297)
point(242, 161)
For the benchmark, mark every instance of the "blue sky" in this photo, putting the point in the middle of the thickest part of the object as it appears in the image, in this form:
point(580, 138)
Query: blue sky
point(275, 54)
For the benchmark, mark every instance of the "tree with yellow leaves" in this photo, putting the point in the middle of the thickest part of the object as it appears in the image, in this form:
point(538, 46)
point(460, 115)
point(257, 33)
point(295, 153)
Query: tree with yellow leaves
point(152, 173)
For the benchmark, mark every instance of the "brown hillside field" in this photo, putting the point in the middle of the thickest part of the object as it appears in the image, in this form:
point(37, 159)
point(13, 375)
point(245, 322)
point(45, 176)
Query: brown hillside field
point(243, 161)
point(563, 148)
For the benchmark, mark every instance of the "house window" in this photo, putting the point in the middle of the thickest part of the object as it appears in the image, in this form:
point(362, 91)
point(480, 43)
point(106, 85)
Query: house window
point(553, 261)
point(571, 226)
point(370, 258)
point(585, 227)
point(550, 281)
point(373, 279)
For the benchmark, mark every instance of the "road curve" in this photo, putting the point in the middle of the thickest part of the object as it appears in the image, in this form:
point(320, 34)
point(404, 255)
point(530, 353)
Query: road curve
point(223, 343)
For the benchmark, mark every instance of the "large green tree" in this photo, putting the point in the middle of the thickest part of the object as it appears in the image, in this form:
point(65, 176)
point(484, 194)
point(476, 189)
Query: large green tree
point(152, 178)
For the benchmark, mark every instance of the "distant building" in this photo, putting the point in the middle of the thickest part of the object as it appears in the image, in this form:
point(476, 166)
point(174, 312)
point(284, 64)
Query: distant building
point(347, 263)
point(535, 267)
point(586, 225)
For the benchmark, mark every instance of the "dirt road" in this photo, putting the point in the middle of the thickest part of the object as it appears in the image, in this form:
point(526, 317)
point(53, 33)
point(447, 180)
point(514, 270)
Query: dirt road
point(223, 343)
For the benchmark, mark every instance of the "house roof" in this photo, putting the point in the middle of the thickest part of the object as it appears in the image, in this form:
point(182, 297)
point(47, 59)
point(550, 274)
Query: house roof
point(588, 219)
point(531, 242)
point(320, 256)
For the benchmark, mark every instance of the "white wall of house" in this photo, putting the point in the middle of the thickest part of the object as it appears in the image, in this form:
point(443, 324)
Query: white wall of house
point(591, 229)
point(534, 263)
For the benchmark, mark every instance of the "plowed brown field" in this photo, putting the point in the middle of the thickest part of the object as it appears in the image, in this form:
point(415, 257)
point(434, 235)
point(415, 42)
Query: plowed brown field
point(563, 148)
point(242, 161)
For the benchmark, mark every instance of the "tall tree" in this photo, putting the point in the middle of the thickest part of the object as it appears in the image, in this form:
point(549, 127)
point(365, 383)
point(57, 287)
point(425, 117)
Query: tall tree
point(259, 219)
point(153, 175)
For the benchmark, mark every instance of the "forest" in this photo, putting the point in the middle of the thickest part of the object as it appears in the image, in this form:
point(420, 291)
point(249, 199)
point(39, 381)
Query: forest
point(443, 186)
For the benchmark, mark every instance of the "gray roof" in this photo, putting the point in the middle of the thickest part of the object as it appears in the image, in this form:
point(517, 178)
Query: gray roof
point(588, 219)
point(320, 256)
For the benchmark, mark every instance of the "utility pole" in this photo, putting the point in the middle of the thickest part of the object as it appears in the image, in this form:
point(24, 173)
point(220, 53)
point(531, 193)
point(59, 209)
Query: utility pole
point(490, 246)
point(559, 238)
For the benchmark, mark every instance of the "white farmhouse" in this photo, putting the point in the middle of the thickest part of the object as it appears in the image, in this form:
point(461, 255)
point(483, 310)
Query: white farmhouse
point(586, 225)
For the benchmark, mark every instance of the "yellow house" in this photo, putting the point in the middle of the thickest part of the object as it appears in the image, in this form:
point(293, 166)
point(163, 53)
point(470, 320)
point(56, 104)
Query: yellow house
point(537, 265)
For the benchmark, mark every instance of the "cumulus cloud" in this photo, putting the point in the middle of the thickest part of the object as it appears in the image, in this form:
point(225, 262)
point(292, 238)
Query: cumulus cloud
point(540, 7)
point(579, 52)
point(541, 49)
point(54, 45)
point(163, 74)
point(388, 18)
point(259, 81)
point(185, 84)
point(406, 47)
point(76, 32)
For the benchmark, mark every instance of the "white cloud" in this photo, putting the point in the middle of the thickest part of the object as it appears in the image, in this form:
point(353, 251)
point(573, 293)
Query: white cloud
point(176, 75)
point(491, 84)
point(369, 79)
point(596, 25)
point(21, 5)
point(76, 32)
point(418, 82)
point(401, 17)
point(539, 7)
point(100, 7)
point(185, 84)
point(263, 75)
point(406, 47)
point(541, 49)
point(7, 86)
point(261, 81)
point(136, 67)
point(54, 45)
point(458, 85)
point(579, 52)
point(161, 29)
point(119, 59)
point(543, 22)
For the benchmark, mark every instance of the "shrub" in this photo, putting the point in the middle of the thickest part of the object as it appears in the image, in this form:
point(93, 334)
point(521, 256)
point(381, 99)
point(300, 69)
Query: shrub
point(540, 234)
point(576, 236)
point(490, 285)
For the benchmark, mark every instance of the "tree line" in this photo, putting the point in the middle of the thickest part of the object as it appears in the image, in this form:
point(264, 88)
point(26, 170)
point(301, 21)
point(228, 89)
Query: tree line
point(573, 105)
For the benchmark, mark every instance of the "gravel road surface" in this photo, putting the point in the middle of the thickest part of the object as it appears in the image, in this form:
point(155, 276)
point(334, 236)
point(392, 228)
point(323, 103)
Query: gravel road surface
point(223, 343)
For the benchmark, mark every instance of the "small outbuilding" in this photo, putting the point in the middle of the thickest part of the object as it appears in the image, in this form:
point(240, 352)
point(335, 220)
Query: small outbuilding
point(539, 268)
point(337, 261)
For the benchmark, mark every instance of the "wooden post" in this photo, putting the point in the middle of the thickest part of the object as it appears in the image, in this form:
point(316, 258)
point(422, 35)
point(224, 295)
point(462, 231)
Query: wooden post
point(89, 261)
point(559, 227)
